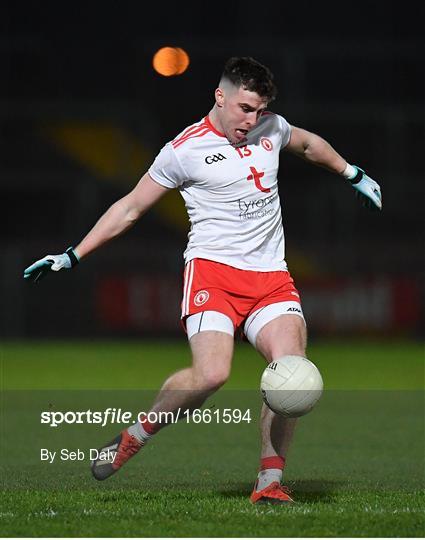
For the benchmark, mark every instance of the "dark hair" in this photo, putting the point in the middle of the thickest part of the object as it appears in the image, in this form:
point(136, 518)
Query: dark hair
point(251, 75)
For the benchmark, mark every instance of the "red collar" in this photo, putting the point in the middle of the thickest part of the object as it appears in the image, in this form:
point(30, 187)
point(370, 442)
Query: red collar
point(212, 128)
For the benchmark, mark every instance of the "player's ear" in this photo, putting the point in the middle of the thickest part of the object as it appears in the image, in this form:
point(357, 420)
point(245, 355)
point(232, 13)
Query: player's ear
point(219, 97)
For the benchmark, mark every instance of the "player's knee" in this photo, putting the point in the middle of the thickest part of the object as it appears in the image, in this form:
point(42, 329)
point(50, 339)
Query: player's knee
point(214, 379)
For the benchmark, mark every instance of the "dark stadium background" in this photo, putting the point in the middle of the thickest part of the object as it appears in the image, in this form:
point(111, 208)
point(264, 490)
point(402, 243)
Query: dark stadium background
point(82, 114)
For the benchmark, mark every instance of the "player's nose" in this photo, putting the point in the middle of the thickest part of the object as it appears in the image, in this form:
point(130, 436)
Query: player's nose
point(251, 120)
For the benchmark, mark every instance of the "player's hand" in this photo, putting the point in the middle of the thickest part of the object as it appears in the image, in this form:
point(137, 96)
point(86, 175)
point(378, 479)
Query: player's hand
point(367, 190)
point(41, 268)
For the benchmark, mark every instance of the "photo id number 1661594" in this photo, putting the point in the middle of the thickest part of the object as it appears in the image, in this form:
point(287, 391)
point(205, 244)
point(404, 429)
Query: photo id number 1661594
point(218, 416)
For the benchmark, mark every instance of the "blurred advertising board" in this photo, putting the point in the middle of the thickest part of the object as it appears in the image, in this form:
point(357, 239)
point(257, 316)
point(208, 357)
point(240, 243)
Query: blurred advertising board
point(380, 304)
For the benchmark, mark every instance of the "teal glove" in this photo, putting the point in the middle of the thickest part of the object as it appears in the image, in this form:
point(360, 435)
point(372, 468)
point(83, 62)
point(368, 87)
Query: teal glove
point(368, 191)
point(41, 268)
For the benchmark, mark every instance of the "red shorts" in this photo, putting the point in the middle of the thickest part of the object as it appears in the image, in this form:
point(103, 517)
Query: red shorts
point(212, 286)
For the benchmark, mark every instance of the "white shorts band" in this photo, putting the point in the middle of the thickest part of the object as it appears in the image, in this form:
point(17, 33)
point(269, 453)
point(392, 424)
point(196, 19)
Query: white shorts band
point(264, 315)
point(209, 320)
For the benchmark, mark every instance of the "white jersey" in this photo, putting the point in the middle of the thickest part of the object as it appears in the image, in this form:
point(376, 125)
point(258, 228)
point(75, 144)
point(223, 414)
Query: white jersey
point(231, 193)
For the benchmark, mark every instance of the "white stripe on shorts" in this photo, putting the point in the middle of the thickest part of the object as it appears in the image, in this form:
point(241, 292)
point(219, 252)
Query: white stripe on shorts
point(188, 279)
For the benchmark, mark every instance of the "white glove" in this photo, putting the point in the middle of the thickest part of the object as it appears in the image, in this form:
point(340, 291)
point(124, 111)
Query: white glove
point(40, 268)
point(368, 191)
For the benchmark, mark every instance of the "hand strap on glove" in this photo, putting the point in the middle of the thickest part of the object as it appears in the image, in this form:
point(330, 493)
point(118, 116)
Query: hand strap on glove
point(72, 256)
point(357, 177)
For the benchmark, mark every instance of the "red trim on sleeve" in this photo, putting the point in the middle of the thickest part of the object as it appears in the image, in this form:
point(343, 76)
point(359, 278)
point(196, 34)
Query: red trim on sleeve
point(188, 132)
point(200, 133)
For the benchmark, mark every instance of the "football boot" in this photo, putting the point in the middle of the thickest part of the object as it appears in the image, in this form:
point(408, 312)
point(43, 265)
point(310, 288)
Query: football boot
point(112, 456)
point(275, 493)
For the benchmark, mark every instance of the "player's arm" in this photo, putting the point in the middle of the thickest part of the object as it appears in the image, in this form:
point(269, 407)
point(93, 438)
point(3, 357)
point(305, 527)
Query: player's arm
point(317, 151)
point(120, 217)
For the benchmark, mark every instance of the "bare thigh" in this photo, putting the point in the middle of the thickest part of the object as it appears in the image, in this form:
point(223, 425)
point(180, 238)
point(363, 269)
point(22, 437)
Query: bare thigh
point(287, 334)
point(212, 354)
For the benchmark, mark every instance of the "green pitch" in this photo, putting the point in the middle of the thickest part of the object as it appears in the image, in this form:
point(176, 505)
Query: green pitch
point(356, 467)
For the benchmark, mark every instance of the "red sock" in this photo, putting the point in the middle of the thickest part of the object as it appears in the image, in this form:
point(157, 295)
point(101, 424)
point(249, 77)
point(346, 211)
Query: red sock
point(272, 462)
point(150, 427)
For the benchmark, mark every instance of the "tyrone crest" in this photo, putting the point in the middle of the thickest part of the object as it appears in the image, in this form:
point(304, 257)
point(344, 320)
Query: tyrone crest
point(201, 297)
point(266, 144)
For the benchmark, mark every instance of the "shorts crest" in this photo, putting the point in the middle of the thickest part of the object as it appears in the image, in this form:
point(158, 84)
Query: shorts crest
point(201, 298)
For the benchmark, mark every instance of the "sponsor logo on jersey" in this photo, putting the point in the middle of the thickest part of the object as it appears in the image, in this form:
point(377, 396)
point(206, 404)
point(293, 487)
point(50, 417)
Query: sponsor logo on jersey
point(214, 159)
point(256, 208)
point(201, 297)
point(257, 176)
point(266, 144)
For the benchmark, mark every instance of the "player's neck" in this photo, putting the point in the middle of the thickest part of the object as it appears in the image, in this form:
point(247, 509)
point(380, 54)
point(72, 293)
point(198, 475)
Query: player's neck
point(215, 120)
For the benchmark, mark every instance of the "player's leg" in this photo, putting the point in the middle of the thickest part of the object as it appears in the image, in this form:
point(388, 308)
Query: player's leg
point(211, 342)
point(212, 353)
point(284, 335)
point(185, 390)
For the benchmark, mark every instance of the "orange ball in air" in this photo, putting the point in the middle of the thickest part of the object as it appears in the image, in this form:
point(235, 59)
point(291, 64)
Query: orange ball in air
point(170, 61)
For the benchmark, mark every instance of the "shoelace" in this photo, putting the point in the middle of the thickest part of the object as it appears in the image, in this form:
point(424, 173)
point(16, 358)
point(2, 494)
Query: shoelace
point(275, 487)
point(128, 449)
point(132, 446)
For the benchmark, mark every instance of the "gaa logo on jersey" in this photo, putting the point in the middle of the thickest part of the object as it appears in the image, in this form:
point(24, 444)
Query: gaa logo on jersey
point(201, 297)
point(214, 159)
point(266, 144)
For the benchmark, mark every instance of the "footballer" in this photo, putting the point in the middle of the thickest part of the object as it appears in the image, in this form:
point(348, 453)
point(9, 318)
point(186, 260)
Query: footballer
point(225, 167)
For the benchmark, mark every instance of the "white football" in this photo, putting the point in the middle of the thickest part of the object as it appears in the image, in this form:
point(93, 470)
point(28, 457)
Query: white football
point(291, 386)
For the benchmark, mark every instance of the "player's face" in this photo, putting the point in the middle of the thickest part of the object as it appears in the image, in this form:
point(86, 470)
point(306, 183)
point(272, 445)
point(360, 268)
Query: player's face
point(239, 111)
